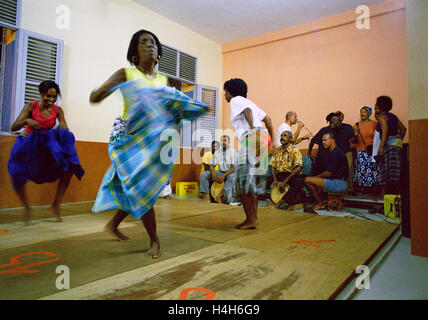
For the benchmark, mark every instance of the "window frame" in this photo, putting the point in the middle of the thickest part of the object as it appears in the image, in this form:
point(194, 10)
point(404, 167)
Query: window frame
point(21, 58)
point(18, 18)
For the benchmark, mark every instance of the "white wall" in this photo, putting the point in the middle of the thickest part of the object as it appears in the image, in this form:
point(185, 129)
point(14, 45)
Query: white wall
point(95, 46)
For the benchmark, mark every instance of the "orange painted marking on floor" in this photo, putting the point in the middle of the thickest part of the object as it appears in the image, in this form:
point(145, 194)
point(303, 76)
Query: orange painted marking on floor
point(5, 232)
point(22, 269)
point(308, 242)
point(184, 294)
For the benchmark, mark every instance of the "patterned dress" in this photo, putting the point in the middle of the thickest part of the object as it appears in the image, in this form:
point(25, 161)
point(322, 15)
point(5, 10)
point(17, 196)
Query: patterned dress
point(142, 155)
point(365, 172)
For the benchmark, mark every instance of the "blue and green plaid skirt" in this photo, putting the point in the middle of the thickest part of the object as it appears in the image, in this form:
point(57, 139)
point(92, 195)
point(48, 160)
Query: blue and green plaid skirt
point(142, 155)
point(253, 163)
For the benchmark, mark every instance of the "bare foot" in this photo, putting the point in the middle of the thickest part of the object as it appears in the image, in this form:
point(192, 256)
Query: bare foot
point(278, 204)
point(27, 217)
point(270, 205)
point(247, 225)
point(154, 249)
point(119, 235)
point(57, 212)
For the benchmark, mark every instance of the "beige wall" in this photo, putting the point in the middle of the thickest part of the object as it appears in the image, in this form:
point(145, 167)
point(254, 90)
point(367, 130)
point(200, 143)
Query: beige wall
point(417, 48)
point(324, 66)
point(95, 46)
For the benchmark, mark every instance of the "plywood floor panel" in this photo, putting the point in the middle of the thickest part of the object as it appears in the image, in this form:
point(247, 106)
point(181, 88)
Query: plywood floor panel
point(291, 255)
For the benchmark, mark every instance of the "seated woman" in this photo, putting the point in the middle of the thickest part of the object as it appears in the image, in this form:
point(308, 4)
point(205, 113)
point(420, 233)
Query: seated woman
point(364, 168)
point(391, 132)
point(43, 154)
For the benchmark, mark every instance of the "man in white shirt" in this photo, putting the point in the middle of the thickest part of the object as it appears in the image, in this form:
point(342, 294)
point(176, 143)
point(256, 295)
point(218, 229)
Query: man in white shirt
point(226, 159)
point(248, 121)
point(290, 120)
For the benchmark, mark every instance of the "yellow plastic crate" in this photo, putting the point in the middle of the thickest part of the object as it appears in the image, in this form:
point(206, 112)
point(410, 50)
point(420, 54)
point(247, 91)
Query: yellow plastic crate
point(186, 189)
point(392, 206)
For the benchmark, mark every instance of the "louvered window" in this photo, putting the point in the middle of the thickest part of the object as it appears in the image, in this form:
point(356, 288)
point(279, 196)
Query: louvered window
point(41, 58)
point(42, 61)
point(178, 64)
point(168, 63)
point(9, 13)
point(207, 124)
point(187, 67)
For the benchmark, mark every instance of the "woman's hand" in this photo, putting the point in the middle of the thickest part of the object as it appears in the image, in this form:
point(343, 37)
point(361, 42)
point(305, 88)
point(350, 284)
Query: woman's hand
point(33, 124)
point(63, 125)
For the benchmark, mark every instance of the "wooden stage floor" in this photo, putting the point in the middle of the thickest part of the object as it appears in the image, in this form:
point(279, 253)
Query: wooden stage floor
point(291, 255)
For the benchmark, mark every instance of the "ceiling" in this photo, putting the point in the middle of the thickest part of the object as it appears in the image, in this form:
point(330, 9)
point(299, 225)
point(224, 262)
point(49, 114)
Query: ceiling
point(230, 20)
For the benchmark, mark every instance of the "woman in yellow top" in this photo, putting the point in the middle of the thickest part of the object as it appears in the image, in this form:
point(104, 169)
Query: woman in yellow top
point(139, 172)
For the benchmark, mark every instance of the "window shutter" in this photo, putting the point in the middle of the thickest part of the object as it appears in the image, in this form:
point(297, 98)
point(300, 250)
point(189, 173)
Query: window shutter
point(207, 124)
point(177, 64)
point(9, 12)
point(40, 59)
point(187, 67)
point(169, 61)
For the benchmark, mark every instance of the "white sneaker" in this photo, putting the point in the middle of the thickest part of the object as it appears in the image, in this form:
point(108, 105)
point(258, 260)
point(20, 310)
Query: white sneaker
point(235, 203)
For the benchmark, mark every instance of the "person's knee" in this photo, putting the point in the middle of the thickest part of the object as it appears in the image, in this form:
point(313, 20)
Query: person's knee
point(206, 175)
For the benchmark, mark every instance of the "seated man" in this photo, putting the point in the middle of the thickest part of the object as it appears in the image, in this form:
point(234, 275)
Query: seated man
point(207, 158)
point(226, 158)
point(286, 167)
point(333, 179)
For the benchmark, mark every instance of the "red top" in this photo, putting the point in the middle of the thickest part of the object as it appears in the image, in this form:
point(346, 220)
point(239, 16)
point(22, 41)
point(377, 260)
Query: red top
point(367, 130)
point(45, 122)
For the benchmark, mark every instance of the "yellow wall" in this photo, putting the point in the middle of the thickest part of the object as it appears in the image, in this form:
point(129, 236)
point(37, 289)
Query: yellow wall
point(95, 46)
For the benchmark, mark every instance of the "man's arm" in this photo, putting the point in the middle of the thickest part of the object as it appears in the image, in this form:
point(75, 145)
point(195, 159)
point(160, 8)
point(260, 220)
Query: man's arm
point(311, 145)
point(224, 175)
point(275, 179)
point(295, 172)
point(300, 125)
point(248, 114)
point(268, 123)
point(214, 176)
point(301, 139)
point(326, 174)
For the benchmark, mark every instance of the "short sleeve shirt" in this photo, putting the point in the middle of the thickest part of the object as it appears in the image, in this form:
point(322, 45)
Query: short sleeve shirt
point(237, 105)
point(286, 160)
point(337, 164)
point(225, 159)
